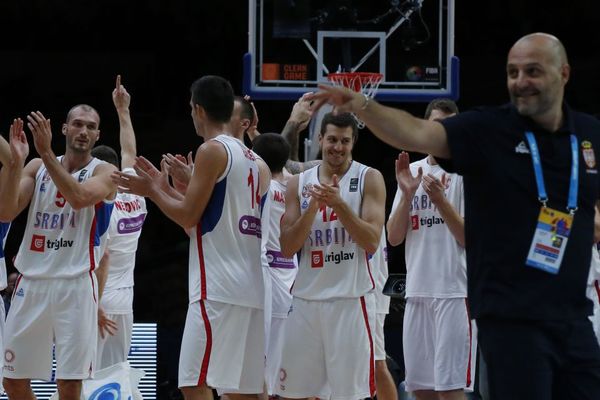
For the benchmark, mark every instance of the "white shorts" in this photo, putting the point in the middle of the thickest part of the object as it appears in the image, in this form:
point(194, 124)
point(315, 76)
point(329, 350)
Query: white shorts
point(46, 311)
point(2, 319)
point(593, 293)
point(378, 337)
point(223, 347)
point(439, 342)
point(113, 349)
point(276, 342)
point(328, 350)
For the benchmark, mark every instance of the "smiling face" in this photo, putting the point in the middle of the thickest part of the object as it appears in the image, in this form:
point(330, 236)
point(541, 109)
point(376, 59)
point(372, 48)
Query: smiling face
point(537, 73)
point(82, 129)
point(336, 145)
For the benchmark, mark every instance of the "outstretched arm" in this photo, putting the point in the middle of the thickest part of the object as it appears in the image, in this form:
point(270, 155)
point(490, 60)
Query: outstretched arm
point(395, 127)
point(297, 122)
point(121, 100)
point(210, 163)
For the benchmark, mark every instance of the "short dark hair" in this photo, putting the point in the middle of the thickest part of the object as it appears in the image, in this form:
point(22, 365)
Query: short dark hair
point(246, 110)
point(343, 120)
point(273, 149)
point(215, 95)
point(84, 107)
point(106, 153)
point(446, 106)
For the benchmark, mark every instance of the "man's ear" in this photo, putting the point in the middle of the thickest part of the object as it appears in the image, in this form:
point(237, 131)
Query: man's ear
point(64, 129)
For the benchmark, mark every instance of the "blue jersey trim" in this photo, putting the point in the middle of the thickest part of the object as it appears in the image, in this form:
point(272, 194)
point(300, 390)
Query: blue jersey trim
point(214, 208)
point(103, 213)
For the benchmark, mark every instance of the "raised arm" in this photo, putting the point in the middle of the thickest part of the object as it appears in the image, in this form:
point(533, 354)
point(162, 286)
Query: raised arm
point(79, 195)
point(121, 100)
point(365, 228)
point(295, 226)
point(397, 225)
point(395, 127)
point(210, 163)
point(5, 156)
point(17, 182)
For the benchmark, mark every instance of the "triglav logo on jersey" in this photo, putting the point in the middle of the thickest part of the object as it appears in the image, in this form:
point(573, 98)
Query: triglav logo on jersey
point(417, 221)
point(40, 244)
point(37, 243)
point(318, 259)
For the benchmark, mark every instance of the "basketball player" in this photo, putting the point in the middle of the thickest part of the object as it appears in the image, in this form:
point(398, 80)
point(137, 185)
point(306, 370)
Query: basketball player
point(55, 301)
point(334, 216)
point(222, 344)
point(281, 271)
point(5, 159)
point(427, 213)
point(115, 313)
point(386, 387)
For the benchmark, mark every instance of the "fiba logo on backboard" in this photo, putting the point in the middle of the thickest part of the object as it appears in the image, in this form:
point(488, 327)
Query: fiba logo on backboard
point(37, 243)
point(316, 259)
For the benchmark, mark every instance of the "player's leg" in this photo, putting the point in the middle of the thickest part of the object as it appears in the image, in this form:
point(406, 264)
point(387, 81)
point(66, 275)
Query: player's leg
point(201, 392)
point(252, 357)
point(18, 388)
point(419, 348)
point(69, 389)
point(28, 338)
point(75, 324)
point(349, 348)
point(302, 371)
point(386, 387)
point(113, 349)
point(454, 348)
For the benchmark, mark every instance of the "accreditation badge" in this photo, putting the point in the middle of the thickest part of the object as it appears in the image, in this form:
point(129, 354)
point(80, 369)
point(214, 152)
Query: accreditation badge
point(550, 240)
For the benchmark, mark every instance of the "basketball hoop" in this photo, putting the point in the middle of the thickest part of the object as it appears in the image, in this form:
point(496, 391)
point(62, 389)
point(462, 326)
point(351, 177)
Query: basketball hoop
point(364, 82)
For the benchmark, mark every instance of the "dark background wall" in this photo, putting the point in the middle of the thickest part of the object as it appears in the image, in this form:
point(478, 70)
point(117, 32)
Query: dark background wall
point(56, 53)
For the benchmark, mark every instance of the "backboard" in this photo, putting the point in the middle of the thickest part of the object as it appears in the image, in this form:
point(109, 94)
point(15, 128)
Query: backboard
point(294, 44)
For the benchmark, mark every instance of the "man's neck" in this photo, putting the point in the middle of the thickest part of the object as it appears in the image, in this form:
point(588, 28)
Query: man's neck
point(327, 171)
point(551, 120)
point(279, 177)
point(75, 161)
point(214, 130)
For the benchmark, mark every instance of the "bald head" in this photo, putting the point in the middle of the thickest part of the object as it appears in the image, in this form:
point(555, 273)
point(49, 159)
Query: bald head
point(537, 71)
point(546, 44)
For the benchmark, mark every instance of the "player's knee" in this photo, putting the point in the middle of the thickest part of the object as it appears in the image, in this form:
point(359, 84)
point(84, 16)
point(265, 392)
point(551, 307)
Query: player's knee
point(458, 394)
point(69, 389)
point(15, 388)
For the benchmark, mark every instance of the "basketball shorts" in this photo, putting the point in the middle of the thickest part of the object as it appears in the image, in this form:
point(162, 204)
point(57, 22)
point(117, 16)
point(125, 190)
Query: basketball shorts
point(276, 342)
point(378, 337)
point(593, 293)
point(328, 350)
point(223, 347)
point(47, 311)
point(439, 344)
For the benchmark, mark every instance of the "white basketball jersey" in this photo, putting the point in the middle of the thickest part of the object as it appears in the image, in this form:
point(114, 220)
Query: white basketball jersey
point(379, 266)
point(435, 263)
point(129, 213)
point(225, 246)
point(4, 227)
point(282, 270)
point(331, 264)
point(60, 242)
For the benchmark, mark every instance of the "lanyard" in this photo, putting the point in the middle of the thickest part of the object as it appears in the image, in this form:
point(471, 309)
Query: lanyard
point(539, 177)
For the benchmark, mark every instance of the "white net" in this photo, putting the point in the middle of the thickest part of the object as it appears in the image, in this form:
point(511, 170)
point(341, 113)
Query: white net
point(364, 82)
